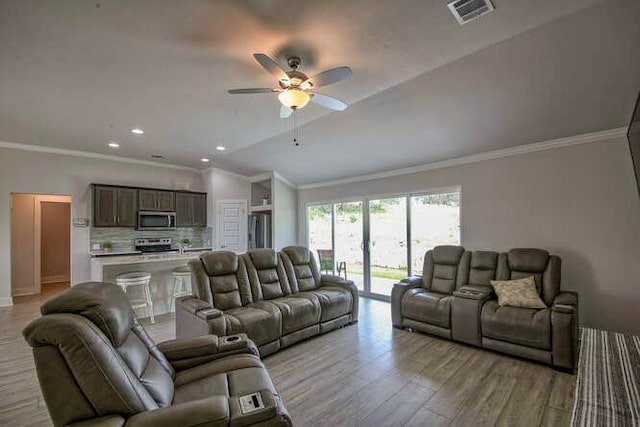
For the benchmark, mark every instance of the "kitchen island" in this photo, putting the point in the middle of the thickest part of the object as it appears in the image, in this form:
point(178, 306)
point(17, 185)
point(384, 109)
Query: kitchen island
point(105, 269)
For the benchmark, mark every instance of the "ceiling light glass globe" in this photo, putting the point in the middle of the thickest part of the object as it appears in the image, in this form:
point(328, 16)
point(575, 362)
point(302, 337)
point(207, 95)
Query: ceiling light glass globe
point(294, 98)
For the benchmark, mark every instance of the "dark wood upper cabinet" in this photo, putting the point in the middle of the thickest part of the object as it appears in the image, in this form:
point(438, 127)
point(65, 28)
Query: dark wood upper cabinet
point(127, 207)
point(114, 206)
point(191, 209)
point(156, 200)
point(199, 210)
point(118, 206)
point(104, 206)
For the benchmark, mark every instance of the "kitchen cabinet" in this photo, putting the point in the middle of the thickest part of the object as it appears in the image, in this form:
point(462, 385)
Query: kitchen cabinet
point(156, 200)
point(191, 209)
point(114, 206)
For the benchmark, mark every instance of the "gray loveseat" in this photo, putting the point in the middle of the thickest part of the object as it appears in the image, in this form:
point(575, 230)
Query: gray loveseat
point(454, 299)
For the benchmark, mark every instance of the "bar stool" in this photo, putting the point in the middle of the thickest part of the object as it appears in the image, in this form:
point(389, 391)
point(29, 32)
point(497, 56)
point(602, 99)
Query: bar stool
point(181, 276)
point(138, 278)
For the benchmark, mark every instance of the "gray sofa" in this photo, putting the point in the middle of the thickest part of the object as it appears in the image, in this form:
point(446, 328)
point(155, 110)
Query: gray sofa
point(277, 299)
point(454, 299)
point(98, 367)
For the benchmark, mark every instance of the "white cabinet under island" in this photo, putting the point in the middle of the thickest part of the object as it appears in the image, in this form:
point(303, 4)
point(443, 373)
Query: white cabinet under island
point(106, 268)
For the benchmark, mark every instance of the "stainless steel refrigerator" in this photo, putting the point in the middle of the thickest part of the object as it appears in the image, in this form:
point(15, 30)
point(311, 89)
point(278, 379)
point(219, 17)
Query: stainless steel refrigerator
point(259, 231)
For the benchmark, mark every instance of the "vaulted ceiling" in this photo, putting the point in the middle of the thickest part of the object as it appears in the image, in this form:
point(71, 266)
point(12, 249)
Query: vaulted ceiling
point(78, 74)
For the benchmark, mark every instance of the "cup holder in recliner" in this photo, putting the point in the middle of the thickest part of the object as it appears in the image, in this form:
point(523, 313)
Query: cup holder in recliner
point(232, 338)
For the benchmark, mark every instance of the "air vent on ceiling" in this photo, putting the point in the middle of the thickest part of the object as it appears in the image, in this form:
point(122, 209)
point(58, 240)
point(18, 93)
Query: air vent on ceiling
point(468, 10)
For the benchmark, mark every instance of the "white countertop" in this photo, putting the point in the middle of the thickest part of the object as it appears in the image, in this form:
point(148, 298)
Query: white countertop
point(112, 252)
point(138, 259)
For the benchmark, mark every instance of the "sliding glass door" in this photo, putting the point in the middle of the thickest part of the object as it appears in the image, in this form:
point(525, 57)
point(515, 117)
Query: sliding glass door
point(377, 242)
point(387, 243)
point(348, 241)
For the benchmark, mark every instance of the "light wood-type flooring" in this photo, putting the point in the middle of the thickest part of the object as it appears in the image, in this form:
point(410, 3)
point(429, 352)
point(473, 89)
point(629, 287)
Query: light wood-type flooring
point(364, 374)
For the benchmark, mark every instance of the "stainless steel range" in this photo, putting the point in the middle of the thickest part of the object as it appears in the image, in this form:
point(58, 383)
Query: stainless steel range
point(154, 244)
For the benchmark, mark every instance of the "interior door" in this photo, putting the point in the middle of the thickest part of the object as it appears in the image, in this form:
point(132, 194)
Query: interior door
point(231, 225)
point(387, 244)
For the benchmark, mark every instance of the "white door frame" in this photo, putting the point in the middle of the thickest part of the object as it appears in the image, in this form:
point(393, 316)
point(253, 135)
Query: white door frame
point(243, 231)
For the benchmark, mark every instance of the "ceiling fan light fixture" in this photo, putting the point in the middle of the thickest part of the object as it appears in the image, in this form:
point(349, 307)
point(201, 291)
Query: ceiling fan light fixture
point(294, 98)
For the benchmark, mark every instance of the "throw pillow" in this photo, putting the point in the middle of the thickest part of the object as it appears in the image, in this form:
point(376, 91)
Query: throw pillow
point(518, 293)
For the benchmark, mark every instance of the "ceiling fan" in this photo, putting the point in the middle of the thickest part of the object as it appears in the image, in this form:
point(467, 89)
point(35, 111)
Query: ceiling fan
point(296, 89)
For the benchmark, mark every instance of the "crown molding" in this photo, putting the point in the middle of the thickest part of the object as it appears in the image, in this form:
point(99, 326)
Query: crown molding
point(285, 180)
point(225, 172)
point(87, 154)
point(474, 158)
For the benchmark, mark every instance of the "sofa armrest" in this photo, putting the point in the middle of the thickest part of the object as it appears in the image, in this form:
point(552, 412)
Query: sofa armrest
point(397, 293)
point(212, 411)
point(331, 280)
point(193, 305)
point(477, 292)
point(209, 313)
point(564, 328)
point(106, 421)
point(565, 302)
point(189, 352)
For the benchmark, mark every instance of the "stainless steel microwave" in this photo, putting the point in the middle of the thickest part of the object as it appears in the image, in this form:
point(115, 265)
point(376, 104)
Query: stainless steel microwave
point(150, 220)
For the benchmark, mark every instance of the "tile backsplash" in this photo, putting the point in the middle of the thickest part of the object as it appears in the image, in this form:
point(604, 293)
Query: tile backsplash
point(122, 238)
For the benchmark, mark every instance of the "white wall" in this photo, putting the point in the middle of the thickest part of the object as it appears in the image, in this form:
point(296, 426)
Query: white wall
point(43, 173)
point(223, 185)
point(285, 200)
point(580, 202)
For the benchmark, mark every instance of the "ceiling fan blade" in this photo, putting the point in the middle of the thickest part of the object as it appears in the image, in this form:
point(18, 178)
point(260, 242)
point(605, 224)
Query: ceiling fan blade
point(271, 66)
point(285, 112)
point(329, 77)
point(328, 102)
point(252, 90)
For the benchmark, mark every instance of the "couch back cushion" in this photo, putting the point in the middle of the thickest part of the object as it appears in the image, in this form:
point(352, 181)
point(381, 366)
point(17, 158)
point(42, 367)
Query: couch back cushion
point(266, 274)
point(301, 267)
point(227, 283)
point(90, 340)
point(478, 268)
point(520, 263)
point(441, 268)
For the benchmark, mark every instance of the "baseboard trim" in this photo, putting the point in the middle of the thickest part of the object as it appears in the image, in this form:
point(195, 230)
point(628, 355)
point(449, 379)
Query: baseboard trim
point(54, 279)
point(6, 302)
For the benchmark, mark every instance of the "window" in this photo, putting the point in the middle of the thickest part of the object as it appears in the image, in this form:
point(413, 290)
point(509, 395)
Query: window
point(435, 220)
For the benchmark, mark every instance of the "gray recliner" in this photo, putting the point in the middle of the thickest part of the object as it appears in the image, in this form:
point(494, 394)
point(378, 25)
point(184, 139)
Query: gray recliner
point(548, 335)
point(424, 302)
point(98, 367)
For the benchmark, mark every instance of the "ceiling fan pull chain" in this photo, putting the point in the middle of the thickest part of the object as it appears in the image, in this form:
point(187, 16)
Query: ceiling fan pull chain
point(295, 127)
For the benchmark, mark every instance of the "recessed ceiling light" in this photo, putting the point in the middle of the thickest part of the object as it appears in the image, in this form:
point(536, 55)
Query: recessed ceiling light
point(113, 144)
point(205, 160)
point(137, 131)
point(221, 148)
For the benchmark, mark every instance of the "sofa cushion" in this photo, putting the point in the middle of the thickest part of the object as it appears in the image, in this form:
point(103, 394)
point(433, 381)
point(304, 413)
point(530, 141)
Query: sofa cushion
point(261, 321)
point(263, 258)
point(103, 304)
point(524, 326)
point(229, 376)
point(429, 307)
point(518, 293)
point(298, 312)
point(220, 263)
point(335, 301)
point(482, 267)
